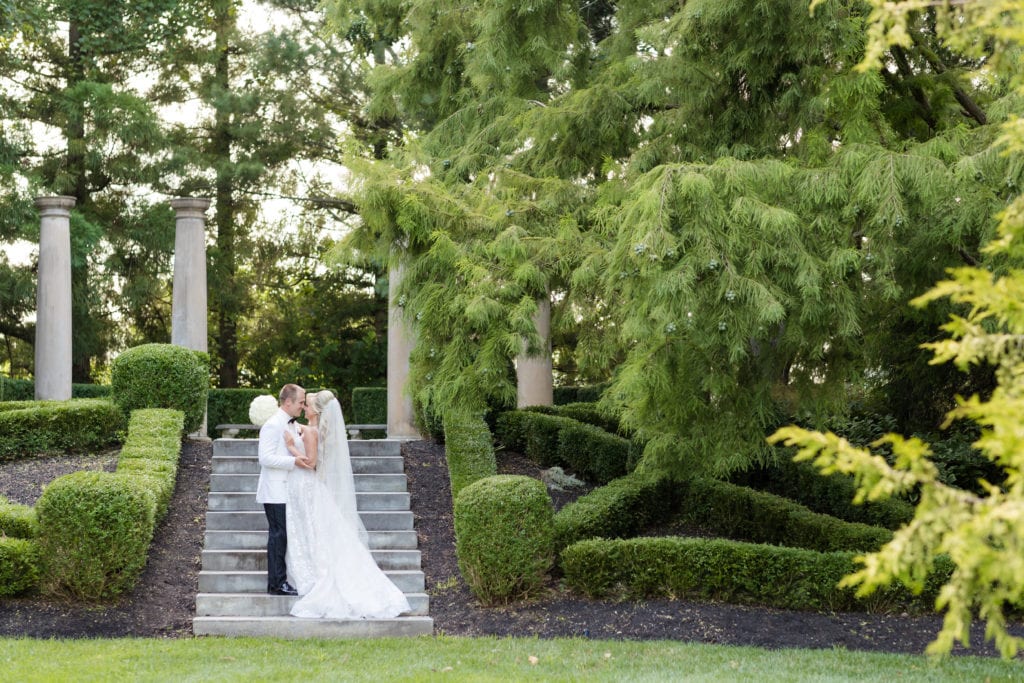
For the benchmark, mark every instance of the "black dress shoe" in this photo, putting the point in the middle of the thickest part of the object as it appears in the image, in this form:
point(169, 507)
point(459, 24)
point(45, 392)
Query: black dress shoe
point(284, 589)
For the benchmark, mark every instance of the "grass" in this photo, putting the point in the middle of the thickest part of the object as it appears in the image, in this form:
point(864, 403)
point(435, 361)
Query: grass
point(465, 659)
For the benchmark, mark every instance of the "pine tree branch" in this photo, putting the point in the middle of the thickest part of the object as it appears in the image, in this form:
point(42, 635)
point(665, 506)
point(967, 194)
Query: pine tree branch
point(345, 205)
point(971, 107)
point(900, 57)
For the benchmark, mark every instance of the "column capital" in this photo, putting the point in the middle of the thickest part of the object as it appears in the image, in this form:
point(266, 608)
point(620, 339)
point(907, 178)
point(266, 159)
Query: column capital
point(55, 206)
point(193, 207)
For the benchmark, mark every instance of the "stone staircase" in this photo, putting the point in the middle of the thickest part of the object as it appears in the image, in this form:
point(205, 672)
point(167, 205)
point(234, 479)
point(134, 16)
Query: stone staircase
point(232, 599)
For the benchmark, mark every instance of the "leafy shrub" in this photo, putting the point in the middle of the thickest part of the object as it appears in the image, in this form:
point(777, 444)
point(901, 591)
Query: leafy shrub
point(94, 533)
point(161, 376)
point(622, 508)
point(468, 450)
point(831, 495)
point(19, 566)
point(230, 406)
point(731, 571)
point(17, 389)
point(35, 427)
point(17, 521)
point(370, 406)
point(742, 513)
point(428, 421)
point(504, 536)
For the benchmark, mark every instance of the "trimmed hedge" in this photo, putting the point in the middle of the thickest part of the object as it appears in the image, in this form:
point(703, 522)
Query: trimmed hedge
point(95, 527)
point(549, 440)
point(370, 406)
point(587, 413)
point(230, 406)
point(504, 537)
point(17, 389)
point(831, 495)
point(468, 450)
point(19, 566)
point(25, 390)
point(742, 513)
point(151, 453)
point(17, 521)
point(731, 571)
point(583, 394)
point(162, 376)
point(35, 427)
point(95, 530)
point(622, 508)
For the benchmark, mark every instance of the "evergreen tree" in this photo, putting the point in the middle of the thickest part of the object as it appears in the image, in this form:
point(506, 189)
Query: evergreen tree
point(73, 124)
point(726, 210)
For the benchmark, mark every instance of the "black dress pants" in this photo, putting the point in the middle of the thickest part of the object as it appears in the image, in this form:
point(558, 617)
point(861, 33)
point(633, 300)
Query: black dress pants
point(277, 545)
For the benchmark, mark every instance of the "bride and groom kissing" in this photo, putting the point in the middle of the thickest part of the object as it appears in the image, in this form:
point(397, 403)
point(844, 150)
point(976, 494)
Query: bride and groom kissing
point(317, 545)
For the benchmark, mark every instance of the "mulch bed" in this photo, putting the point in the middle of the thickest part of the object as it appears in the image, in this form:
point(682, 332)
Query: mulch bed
point(162, 604)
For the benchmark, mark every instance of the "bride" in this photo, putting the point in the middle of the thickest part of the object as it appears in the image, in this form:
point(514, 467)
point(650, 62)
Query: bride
point(327, 557)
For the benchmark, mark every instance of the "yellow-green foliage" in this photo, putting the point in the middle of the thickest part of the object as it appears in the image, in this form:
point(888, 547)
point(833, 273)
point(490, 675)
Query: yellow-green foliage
point(980, 533)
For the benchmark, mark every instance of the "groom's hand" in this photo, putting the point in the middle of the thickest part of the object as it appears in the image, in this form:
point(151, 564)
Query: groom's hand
point(303, 463)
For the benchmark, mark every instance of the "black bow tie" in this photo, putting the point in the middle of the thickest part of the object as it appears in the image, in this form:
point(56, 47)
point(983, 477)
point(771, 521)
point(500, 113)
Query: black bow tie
point(292, 420)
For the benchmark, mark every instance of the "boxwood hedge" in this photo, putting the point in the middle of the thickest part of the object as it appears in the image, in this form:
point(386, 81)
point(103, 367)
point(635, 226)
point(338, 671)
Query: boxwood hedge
point(161, 376)
point(34, 427)
point(468, 450)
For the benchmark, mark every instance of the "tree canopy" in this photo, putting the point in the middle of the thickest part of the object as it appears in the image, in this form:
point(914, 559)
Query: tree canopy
point(728, 213)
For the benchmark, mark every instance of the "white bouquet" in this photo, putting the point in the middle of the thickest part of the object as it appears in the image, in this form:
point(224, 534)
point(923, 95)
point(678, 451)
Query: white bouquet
point(262, 409)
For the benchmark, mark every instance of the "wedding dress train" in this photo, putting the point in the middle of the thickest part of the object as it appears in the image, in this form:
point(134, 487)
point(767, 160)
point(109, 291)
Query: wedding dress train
point(328, 560)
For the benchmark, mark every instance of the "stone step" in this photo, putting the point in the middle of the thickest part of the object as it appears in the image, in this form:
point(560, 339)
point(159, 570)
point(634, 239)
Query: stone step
point(251, 560)
point(239, 483)
point(290, 627)
point(407, 580)
point(367, 501)
point(263, 605)
point(387, 520)
point(257, 540)
point(248, 464)
point(356, 448)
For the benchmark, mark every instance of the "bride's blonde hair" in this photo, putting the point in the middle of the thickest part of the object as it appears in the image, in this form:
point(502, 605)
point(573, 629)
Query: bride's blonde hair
point(320, 401)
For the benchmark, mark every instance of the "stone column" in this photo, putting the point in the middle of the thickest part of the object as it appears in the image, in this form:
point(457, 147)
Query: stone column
point(189, 302)
point(401, 423)
point(53, 300)
point(534, 386)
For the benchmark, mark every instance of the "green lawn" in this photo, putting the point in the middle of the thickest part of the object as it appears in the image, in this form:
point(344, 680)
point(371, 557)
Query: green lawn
point(465, 659)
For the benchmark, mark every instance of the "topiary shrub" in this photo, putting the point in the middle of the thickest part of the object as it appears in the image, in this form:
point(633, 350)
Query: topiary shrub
point(33, 427)
point(468, 450)
point(504, 537)
point(17, 521)
point(94, 534)
point(19, 566)
point(624, 507)
point(161, 376)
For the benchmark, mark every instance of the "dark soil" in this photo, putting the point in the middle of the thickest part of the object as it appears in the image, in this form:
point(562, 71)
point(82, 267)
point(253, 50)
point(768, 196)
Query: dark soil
point(163, 602)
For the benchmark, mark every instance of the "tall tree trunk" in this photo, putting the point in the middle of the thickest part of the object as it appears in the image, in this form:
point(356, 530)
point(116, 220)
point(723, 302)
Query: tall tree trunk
point(227, 297)
point(83, 325)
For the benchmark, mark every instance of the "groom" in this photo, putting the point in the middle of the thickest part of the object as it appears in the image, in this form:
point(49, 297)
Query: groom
point(272, 490)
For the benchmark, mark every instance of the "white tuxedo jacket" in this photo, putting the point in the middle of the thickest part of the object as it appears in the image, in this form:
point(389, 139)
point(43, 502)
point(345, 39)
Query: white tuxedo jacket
point(275, 460)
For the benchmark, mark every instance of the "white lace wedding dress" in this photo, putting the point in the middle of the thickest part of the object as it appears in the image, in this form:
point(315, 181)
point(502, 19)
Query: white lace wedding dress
point(328, 560)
